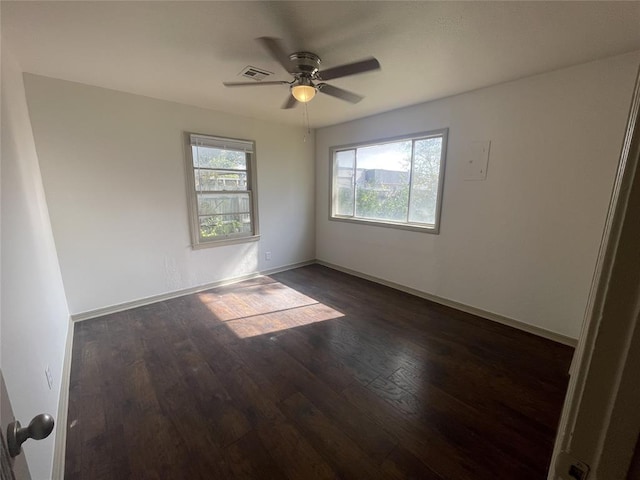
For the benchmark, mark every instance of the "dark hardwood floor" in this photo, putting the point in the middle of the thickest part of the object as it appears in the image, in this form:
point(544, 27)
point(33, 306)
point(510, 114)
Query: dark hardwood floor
point(310, 373)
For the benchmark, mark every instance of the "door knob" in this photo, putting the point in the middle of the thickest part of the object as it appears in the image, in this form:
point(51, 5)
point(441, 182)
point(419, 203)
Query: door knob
point(40, 427)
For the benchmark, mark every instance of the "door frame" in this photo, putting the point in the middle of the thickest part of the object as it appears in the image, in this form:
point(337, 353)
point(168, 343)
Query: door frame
point(600, 420)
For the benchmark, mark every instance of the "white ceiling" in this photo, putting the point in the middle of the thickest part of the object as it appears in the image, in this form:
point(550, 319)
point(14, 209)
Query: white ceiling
point(183, 51)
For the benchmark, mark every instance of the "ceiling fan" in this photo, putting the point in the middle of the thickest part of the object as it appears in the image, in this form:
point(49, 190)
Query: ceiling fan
point(307, 76)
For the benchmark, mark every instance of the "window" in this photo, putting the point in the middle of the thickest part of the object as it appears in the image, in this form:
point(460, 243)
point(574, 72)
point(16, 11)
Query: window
point(221, 188)
point(396, 182)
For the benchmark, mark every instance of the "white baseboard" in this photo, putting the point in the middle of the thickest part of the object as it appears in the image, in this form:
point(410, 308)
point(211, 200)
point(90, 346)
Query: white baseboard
point(541, 332)
point(99, 312)
point(271, 271)
point(556, 337)
point(60, 441)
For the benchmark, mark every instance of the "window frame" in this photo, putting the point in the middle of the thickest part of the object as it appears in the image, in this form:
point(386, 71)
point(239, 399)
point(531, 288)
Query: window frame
point(412, 226)
point(197, 242)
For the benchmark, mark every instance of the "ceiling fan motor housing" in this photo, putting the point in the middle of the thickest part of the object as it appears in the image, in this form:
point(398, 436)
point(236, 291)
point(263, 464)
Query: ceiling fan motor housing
point(305, 62)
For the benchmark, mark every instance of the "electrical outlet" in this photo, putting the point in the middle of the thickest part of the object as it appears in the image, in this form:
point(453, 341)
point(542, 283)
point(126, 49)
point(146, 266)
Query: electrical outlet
point(267, 256)
point(47, 372)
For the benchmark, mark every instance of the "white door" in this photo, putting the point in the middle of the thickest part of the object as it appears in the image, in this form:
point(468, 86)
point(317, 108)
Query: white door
point(16, 467)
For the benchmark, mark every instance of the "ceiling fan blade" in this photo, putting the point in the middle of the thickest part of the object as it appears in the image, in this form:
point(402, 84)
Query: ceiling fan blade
point(254, 84)
point(290, 102)
point(350, 69)
point(275, 47)
point(340, 93)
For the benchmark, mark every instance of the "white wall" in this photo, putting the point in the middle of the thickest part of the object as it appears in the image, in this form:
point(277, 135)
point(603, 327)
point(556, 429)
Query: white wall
point(34, 313)
point(523, 243)
point(114, 175)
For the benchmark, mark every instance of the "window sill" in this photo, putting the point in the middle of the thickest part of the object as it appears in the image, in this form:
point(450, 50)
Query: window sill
point(225, 241)
point(399, 226)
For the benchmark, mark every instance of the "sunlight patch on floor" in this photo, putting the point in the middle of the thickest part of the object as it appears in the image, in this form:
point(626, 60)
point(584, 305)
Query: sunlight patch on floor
point(263, 307)
point(282, 320)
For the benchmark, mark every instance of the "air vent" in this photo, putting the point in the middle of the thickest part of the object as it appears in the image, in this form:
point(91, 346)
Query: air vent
point(254, 73)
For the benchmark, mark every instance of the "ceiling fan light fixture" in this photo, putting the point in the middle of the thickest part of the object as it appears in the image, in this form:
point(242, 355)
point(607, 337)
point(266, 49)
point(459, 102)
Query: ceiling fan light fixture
point(303, 93)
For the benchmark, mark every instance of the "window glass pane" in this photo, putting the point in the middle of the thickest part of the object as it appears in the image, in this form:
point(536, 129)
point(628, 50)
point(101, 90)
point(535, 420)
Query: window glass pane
point(221, 190)
point(425, 180)
point(223, 203)
point(382, 181)
point(207, 157)
point(222, 225)
point(395, 182)
point(210, 180)
point(345, 161)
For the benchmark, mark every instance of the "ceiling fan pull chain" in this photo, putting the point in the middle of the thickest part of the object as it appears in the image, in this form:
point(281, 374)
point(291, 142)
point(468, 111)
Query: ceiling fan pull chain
point(305, 121)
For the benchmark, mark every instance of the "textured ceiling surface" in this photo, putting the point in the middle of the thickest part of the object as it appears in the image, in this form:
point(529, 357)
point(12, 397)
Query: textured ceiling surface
point(183, 51)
